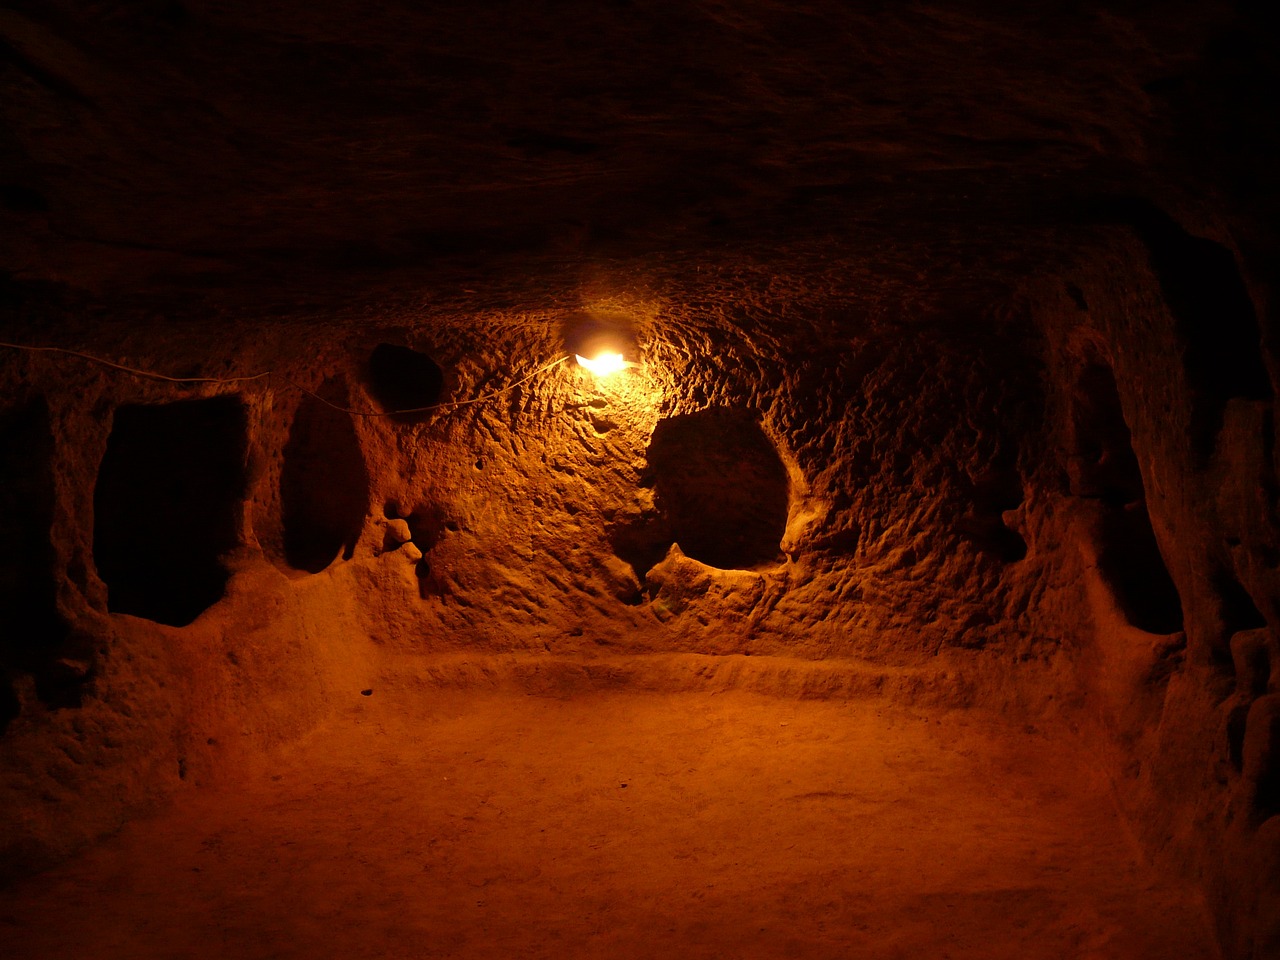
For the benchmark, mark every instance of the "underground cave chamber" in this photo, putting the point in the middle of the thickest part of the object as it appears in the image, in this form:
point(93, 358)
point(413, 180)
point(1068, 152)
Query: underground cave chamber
point(598, 653)
point(903, 587)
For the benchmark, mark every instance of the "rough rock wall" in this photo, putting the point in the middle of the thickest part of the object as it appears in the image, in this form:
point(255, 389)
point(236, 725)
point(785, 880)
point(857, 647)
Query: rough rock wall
point(1158, 499)
point(120, 679)
point(900, 172)
point(1059, 508)
point(229, 557)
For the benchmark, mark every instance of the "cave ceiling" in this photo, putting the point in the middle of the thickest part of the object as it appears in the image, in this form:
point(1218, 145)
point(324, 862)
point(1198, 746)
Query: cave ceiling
point(934, 154)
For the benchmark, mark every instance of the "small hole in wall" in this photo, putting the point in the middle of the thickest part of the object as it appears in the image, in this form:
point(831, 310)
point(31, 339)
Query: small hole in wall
point(166, 506)
point(1235, 648)
point(404, 379)
point(992, 537)
point(20, 198)
point(1077, 296)
point(428, 525)
point(324, 485)
point(993, 493)
point(63, 683)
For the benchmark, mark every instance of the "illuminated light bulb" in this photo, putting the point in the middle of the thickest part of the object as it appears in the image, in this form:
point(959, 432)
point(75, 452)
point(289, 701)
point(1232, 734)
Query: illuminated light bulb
point(603, 364)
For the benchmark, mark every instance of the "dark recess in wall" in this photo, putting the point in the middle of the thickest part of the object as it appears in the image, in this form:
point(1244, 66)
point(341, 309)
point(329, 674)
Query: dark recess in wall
point(32, 630)
point(1130, 563)
point(997, 490)
point(1261, 767)
point(166, 506)
point(401, 378)
point(721, 491)
point(324, 485)
point(19, 198)
point(428, 524)
point(1251, 665)
point(1238, 609)
point(641, 542)
point(1237, 718)
point(1212, 312)
point(1101, 465)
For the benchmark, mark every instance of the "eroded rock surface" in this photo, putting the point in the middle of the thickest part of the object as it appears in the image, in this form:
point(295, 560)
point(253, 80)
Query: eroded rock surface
point(952, 343)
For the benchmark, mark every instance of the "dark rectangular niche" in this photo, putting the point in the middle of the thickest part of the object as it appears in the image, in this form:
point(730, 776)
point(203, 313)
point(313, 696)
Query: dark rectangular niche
point(167, 506)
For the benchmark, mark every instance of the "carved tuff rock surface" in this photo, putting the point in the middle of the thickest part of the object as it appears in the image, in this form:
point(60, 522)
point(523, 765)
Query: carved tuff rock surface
point(946, 432)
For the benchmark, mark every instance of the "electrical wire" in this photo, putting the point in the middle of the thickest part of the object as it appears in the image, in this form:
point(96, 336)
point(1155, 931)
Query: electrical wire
point(152, 375)
point(134, 370)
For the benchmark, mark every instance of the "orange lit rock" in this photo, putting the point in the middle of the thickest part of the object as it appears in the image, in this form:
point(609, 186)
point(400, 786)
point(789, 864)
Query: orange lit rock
point(935, 508)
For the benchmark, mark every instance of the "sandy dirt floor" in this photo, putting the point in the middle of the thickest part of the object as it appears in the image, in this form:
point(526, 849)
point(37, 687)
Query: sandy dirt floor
point(485, 825)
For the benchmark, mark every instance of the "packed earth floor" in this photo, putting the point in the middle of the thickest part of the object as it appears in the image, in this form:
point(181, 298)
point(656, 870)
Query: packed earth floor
point(428, 822)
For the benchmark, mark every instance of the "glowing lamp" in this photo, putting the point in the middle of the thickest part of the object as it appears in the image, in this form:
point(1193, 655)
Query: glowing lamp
point(603, 363)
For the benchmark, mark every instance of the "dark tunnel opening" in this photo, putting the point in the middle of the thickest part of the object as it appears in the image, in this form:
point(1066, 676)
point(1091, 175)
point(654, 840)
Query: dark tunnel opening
point(167, 504)
point(721, 493)
point(324, 485)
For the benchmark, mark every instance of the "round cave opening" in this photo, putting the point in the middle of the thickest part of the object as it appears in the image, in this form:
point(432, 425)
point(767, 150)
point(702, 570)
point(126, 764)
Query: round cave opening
point(403, 381)
point(722, 493)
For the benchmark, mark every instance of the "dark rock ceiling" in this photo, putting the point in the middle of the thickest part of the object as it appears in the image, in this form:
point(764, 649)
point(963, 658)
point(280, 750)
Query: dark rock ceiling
point(280, 145)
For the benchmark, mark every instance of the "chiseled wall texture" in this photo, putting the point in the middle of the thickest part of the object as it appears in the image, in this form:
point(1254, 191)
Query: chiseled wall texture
point(954, 331)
